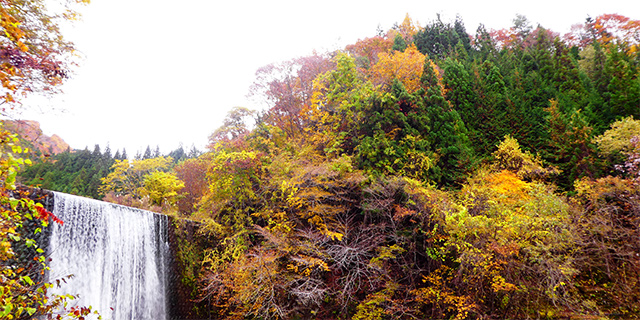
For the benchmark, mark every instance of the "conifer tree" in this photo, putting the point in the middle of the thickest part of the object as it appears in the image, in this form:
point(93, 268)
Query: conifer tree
point(147, 153)
point(107, 152)
point(447, 132)
point(463, 36)
point(398, 43)
point(570, 145)
point(485, 46)
point(624, 87)
point(460, 93)
point(494, 105)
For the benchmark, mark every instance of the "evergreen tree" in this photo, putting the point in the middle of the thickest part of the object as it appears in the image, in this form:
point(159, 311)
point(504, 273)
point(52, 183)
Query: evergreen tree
point(194, 152)
point(624, 86)
point(437, 39)
point(571, 92)
point(393, 140)
point(493, 109)
point(462, 96)
point(447, 133)
point(96, 151)
point(463, 36)
point(178, 154)
point(570, 146)
point(398, 43)
point(107, 152)
point(77, 172)
point(485, 46)
point(147, 153)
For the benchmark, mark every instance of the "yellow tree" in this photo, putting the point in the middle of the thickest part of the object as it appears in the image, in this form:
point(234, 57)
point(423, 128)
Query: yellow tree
point(513, 237)
point(127, 178)
point(405, 66)
point(407, 29)
point(162, 187)
point(618, 138)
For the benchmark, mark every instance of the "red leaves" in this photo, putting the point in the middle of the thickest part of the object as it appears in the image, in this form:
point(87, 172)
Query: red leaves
point(44, 215)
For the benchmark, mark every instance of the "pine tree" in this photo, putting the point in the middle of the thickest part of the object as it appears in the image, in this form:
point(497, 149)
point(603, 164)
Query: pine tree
point(460, 93)
point(96, 151)
point(107, 152)
point(570, 146)
point(463, 36)
point(624, 87)
point(398, 43)
point(147, 153)
point(447, 133)
point(486, 48)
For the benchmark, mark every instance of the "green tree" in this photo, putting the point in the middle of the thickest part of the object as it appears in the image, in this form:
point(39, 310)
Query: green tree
point(398, 43)
point(338, 97)
point(570, 146)
point(462, 96)
point(437, 39)
point(78, 172)
point(447, 132)
point(624, 87)
point(391, 131)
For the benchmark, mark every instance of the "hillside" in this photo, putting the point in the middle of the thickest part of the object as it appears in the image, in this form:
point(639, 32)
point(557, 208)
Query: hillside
point(33, 137)
point(429, 173)
point(421, 173)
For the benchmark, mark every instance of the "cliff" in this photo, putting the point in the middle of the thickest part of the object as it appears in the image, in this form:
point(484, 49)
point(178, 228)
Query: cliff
point(30, 133)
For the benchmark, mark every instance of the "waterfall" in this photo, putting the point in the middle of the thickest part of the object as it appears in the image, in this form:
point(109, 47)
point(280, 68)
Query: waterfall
point(116, 254)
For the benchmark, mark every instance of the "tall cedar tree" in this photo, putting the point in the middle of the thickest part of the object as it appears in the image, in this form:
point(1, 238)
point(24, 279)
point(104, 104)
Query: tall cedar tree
point(447, 134)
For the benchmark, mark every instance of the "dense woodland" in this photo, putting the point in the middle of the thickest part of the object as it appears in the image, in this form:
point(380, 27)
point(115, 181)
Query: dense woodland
point(420, 173)
point(80, 172)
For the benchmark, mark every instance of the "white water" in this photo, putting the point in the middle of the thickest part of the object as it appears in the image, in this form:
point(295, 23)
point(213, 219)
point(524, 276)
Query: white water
point(117, 255)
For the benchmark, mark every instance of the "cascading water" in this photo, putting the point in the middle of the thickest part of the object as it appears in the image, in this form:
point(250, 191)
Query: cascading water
point(116, 254)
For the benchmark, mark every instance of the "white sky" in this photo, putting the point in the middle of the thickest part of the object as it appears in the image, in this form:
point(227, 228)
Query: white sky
point(160, 72)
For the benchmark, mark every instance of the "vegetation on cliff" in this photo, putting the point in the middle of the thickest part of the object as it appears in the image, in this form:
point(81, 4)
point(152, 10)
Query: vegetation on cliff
point(420, 173)
point(427, 173)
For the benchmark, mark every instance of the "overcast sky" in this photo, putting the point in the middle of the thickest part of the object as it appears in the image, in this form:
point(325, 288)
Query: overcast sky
point(158, 72)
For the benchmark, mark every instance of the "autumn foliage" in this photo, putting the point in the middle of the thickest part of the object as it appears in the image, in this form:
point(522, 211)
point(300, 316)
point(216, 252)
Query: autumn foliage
point(422, 173)
point(35, 57)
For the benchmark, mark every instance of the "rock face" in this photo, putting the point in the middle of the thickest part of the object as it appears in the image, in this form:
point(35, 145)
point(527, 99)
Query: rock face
point(30, 132)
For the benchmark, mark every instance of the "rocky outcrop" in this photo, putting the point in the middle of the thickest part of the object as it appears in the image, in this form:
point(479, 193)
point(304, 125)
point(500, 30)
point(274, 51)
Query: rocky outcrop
point(30, 132)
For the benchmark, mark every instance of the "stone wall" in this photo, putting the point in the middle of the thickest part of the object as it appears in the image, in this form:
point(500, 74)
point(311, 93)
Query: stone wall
point(183, 301)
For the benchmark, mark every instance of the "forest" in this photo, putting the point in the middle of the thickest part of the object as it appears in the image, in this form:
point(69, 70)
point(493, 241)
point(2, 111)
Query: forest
point(423, 172)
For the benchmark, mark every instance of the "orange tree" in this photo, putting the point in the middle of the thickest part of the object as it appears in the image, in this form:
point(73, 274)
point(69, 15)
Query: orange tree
point(34, 56)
